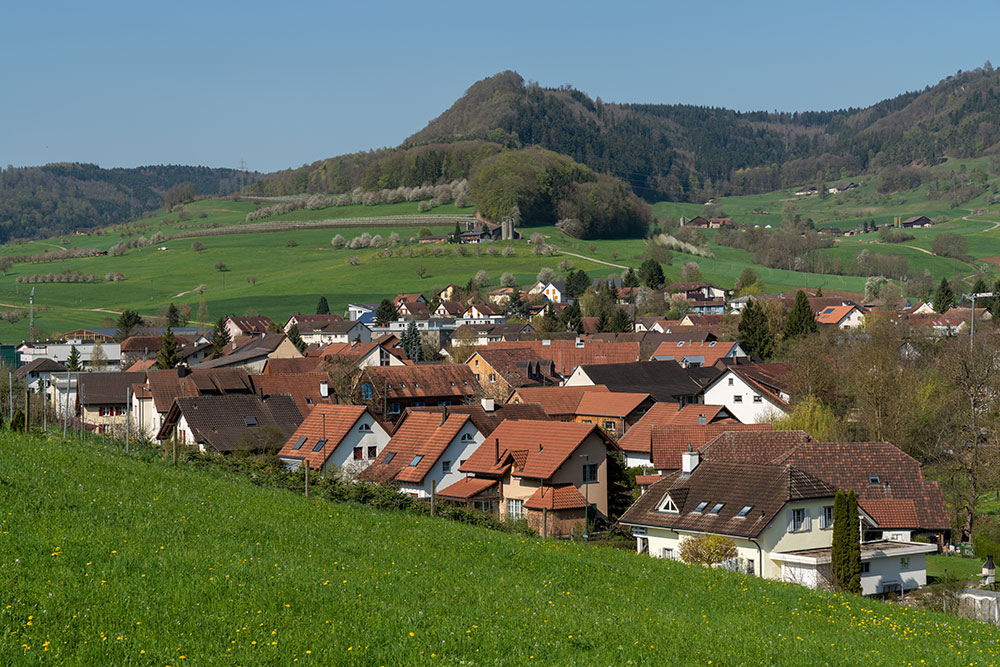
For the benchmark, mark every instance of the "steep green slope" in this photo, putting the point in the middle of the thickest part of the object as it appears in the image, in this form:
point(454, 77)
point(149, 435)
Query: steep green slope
point(106, 559)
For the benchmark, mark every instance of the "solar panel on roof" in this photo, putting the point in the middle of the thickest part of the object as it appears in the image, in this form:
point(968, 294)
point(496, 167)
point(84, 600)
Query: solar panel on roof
point(298, 443)
point(828, 310)
point(388, 457)
point(416, 460)
point(319, 444)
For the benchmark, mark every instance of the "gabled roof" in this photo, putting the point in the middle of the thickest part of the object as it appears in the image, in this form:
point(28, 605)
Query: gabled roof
point(637, 438)
point(166, 385)
point(486, 422)
point(519, 367)
point(710, 351)
point(558, 400)
point(250, 324)
point(106, 388)
point(150, 344)
point(535, 449)
point(611, 404)
point(332, 422)
point(304, 388)
point(40, 365)
point(768, 379)
point(252, 350)
point(221, 422)
point(453, 308)
point(294, 365)
point(418, 434)
point(834, 314)
point(568, 355)
point(668, 442)
point(753, 445)
point(447, 380)
point(141, 365)
point(467, 487)
point(313, 320)
point(562, 497)
point(663, 380)
point(764, 488)
point(890, 513)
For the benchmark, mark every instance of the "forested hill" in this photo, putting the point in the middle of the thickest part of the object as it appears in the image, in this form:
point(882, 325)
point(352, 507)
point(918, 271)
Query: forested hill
point(681, 152)
point(41, 202)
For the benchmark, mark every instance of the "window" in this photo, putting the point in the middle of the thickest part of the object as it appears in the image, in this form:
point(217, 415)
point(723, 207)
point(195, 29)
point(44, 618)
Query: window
point(446, 467)
point(865, 567)
point(372, 452)
point(799, 520)
point(416, 460)
point(701, 506)
point(737, 399)
point(715, 509)
point(394, 408)
point(365, 428)
point(309, 400)
point(359, 453)
point(609, 426)
point(298, 443)
point(444, 402)
point(590, 473)
point(419, 404)
point(827, 521)
point(904, 562)
point(668, 553)
point(467, 437)
point(730, 382)
point(744, 511)
point(757, 398)
point(388, 457)
point(668, 505)
point(483, 505)
point(515, 509)
point(319, 444)
point(477, 362)
point(366, 391)
point(493, 377)
point(750, 566)
point(874, 479)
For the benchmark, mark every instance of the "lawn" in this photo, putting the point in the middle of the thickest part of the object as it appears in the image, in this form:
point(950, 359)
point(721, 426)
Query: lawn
point(111, 559)
point(965, 568)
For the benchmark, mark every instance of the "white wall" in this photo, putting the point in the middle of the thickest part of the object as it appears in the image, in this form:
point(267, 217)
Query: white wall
point(637, 460)
point(888, 570)
point(343, 457)
point(747, 410)
point(456, 452)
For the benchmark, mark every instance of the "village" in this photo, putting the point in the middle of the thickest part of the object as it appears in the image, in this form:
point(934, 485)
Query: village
point(526, 425)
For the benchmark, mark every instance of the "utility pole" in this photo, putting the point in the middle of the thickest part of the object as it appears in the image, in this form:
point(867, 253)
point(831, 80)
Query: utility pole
point(31, 313)
point(972, 325)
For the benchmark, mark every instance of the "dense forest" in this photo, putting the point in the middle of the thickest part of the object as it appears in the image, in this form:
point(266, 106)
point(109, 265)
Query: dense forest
point(681, 152)
point(41, 202)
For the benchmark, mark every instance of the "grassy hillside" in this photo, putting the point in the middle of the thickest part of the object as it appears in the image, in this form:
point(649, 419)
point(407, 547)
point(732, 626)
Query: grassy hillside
point(107, 559)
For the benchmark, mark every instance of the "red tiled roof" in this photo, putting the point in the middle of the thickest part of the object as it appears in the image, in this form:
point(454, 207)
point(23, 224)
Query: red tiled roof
point(304, 388)
point(253, 324)
point(760, 446)
point(467, 487)
point(333, 422)
point(668, 442)
point(454, 380)
point(294, 365)
point(646, 480)
point(417, 434)
point(567, 356)
point(537, 448)
point(558, 400)
point(712, 351)
point(562, 497)
point(610, 404)
point(150, 344)
point(891, 513)
point(486, 422)
point(143, 365)
point(834, 314)
point(637, 438)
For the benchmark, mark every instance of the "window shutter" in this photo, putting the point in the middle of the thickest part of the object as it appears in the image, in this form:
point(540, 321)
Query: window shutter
point(791, 520)
point(806, 525)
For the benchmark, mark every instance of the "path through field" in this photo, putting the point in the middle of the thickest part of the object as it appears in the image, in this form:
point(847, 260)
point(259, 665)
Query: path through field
point(591, 259)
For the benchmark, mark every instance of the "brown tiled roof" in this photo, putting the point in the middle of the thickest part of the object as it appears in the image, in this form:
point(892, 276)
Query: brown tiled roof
point(537, 449)
point(311, 321)
point(467, 487)
point(295, 365)
point(755, 446)
point(417, 434)
point(637, 438)
point(150, 344)
point(251, 324)
point(302, 387)
point(453, 308)
point(562, 497)
point(768, 379)
point(220, 421)
point(765, 488)
point(558, 400)
point(448, 380)
point(668, 442)
point(663, 380)
point(519, 367)
point(246, 350)
point(646, 480)
point(166, 385)
point(40, 365)
point(486, 422)
point(332, 422)
point(106, 388)
point(142, 365)
point(711, 351)
point(610, 404)
point(567, 356)
point(889, 513)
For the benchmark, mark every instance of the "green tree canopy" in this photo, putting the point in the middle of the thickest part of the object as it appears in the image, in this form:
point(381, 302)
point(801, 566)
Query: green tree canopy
point(170, 351)
point(220, 337)
point(801, 321)
point(128, 322)
point(73, 361)
point(629, 279)
point(651, 274)
point(322, 307)
point(296, 338)
point(944, 298)
point(753, 332)
point(386, 312)
point(620, 321)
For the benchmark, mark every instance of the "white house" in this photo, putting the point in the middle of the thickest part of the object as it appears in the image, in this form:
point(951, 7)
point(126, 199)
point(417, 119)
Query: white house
point(344, 438)
point(37, 374)
point(842, 317)
point(60, 350)
point(750, 393)
point(555, 291)
point(343, 331)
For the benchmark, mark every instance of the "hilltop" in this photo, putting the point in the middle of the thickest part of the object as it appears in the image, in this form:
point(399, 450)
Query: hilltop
point(118, 559)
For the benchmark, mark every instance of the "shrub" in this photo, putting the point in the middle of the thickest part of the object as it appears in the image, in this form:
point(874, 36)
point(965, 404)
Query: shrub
point(508, 251)
point(707, 549)
point(197, 246)
point(338, 242)
point(507, 279)
point(353, 260)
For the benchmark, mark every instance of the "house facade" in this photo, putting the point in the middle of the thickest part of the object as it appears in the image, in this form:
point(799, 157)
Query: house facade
point(335, 438)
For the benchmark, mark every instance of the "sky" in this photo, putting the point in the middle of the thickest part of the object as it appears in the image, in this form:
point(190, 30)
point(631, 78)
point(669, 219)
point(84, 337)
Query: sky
point(279, 84)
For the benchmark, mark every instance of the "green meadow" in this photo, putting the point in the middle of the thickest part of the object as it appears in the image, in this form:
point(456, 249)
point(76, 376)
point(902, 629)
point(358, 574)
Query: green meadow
point(107, 558)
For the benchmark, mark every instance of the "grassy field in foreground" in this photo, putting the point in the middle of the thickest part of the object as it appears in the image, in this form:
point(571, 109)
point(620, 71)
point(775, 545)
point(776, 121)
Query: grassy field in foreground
point(108, 559)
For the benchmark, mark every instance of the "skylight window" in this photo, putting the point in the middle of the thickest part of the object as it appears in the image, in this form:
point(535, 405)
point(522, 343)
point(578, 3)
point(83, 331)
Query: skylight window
point(298, 443)
point(828, 310)
point(746, 510)
point(874, 479)
point(416, 460)
point(249, 421)
point(388, 457)
point(320, 444)
point(701, 506)
point(716, 508)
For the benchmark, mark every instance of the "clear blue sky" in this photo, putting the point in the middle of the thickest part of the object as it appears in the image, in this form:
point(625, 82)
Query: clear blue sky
point(279, 84)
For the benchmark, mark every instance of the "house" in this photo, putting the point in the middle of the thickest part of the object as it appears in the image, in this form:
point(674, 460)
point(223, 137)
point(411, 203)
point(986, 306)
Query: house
point(805, 191)
point(449, 292)
point(555, 292)
point(695, 289)
point(141, 348)
point(424, 452)
point(767, 512)
point(408, 298)
point(341, 438)
point(663, 380)
point(247, 325)
point(721, 223)
point(614, 412)
point(337, 331)
point(501, 371)
point(484, 334)
point(481, 313)
point(449, 309)
point(231, 422)
point(842, 317)
point(310, 321)
point(753, 393)
point(389, 390)
point(362, 312)
point(488, 414)
point(501, 297)
point(568, 354)
point(552, 474)
point(308, 390)
point(669, 442)
point(361, 355)
point(91, 335)
point(36, 374)
point(916, 221)
point(91, 352)
point(636, 443)
point(696, 221)
point(559, 403)
point(252, 352)
point(152, 399)
point(293, 366)
point(538, 287)
point(690, 353)
point(104, 397)
point(837, 188)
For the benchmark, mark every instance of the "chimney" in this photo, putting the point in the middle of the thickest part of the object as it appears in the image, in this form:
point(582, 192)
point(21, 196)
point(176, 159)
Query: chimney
point(496, 450)
point(489, 405)
point(324, 389)
point(689, 461)
point(444, 414)
point(701, 420)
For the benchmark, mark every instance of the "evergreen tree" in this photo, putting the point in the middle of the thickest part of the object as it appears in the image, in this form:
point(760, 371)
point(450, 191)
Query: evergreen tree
point(819, 291)
point(173, 316)
point(801, 320)
point(322, 307)
point(170, 351)
point(603, 324)
point(296, 339)
point(620, 485)
point(385, 313)
point(838, 546)
point(852, 562)
point(456, 236)
point(515, 309)
point(572, 318)
point(73, 361)
point(944, 298)
point(411, 342)
point(979, 287)
point(629, 279)
point(753, 333)
point(549, 323)
point(220, 338)
point(620, 321)
point(651, 274)
point(577, 282)
point(128, 322)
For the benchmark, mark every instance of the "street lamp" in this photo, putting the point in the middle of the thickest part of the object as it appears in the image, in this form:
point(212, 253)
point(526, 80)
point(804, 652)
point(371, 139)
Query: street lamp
point(972, 326)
